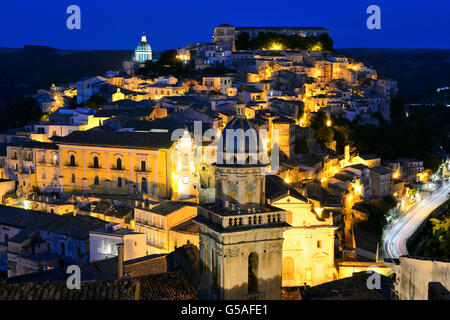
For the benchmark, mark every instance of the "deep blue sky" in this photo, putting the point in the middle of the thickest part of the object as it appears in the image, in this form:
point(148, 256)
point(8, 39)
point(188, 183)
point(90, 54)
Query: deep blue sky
point(117, 24)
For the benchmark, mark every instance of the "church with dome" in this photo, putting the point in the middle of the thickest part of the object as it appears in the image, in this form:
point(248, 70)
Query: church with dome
point(240, 235)
point(143, 51)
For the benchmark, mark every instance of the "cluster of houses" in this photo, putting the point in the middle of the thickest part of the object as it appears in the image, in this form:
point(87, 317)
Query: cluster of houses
point(78, 185)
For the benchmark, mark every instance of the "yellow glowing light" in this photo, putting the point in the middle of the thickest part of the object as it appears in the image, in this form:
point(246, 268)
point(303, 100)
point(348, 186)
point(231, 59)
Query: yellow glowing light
point(317, 47)
point(323, 179)
point(396, 175)
point(276, 46)
point(358, 189)
point(328, 123)
point(318, 211)
point(287, 180)
point(183, 57)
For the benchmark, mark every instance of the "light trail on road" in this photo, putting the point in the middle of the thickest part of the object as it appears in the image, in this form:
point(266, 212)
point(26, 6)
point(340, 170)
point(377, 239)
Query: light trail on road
point(403, 228)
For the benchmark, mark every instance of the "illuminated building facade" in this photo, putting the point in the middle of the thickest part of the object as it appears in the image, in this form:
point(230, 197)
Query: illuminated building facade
point(119, 163)
point(308, 247)
point(159, 223)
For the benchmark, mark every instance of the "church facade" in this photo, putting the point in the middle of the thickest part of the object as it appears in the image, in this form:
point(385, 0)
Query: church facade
point(308, 248)
point(240, 235)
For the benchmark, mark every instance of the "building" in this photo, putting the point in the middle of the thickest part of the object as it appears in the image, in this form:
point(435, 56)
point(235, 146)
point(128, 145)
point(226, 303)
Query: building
point(241, 237)
point(33, 241)
point(225, 35)
point(49, 204)
point(308, 247)
point(119, 162)
point(411, 168)
point(103, 243)
point(380, 178)
point(218, 83)
point(413, 276)
point(369, 160)
point(32, 164)
point(143, 51)
point(157, 222)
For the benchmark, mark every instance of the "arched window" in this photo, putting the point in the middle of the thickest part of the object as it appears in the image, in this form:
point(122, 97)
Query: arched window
point(95, 162)
point(144, 185)
point(288, 269)
point(119, 164)
point(72, 160)
point(289, 217)
point(96, 181)
point(253, 272)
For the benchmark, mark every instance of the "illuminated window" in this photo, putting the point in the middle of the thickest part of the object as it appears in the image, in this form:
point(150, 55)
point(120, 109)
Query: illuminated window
point(288, 269)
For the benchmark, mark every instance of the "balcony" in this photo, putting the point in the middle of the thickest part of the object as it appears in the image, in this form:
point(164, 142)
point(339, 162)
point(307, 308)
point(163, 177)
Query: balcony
point(117, 169)
point(142, 170)
point(232, 219)
point(94, 167)
point(68, 164)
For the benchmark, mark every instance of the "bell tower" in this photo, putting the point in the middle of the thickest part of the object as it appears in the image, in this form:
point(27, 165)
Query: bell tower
point(241, 236)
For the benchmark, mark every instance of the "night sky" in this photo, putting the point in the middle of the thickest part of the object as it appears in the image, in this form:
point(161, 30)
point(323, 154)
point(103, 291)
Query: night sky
point(170, 24)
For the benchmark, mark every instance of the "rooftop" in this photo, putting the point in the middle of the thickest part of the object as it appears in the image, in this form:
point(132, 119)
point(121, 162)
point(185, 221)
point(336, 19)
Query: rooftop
point(167, 207)
point(134, 140)
point(69, 225)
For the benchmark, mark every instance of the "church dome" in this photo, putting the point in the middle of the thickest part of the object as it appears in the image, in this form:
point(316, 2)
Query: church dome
point(143, 51)
point(240, 143)
point(231, 138)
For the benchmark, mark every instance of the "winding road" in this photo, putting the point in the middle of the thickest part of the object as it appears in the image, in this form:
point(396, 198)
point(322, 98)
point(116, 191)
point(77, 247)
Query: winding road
point(402, 229)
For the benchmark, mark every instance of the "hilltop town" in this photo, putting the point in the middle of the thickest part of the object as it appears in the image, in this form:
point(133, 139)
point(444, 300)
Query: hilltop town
point(121, 176)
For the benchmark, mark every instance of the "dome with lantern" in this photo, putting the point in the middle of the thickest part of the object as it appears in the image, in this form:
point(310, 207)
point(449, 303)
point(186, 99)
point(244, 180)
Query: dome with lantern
point(240, 143)
point(143, 51)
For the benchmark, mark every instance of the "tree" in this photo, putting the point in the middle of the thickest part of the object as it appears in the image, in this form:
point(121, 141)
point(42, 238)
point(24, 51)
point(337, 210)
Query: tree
point(397, 108)
point(378, 210)
point(94, 102)
point(243, 41)
point(326, 42)
point(432, 161)
point(21, 111)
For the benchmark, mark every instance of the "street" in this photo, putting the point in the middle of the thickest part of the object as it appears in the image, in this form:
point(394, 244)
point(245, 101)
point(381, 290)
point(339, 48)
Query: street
point(402, 229)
